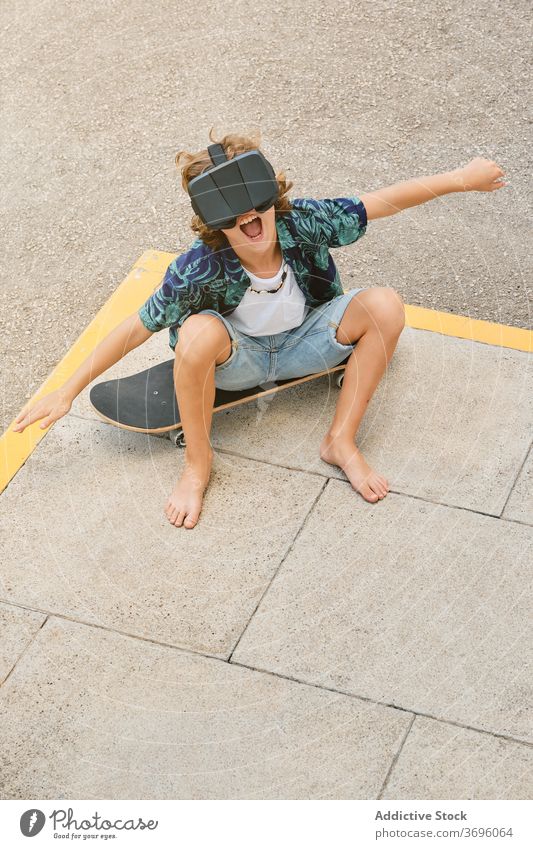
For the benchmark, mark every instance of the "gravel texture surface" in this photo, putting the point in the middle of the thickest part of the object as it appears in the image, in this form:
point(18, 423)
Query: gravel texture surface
point(97, 98)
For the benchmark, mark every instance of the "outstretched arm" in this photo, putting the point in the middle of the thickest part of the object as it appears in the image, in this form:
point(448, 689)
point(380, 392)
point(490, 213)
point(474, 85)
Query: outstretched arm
point(479, 175)
point(128, 335)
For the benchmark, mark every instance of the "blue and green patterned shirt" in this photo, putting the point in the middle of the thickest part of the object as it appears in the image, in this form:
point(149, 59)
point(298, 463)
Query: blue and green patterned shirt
point(201, 278)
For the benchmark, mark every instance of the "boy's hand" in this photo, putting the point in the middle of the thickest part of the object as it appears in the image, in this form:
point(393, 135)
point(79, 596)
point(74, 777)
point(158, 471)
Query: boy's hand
point(479, 175)
point(50, 408)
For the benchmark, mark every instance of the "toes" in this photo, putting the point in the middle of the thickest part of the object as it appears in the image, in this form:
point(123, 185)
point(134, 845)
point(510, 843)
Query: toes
point(367, 493)
point(376, 488)
point(175, 515)
point(170, 512)
point(380, 486)
point(179, 516)
point(191, 520)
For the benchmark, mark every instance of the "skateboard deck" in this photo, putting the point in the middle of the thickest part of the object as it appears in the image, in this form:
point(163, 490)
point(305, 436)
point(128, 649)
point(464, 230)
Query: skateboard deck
point(146, 401)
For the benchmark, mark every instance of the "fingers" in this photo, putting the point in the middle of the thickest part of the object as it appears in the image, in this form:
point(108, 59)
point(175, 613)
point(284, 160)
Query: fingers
point(31, 417)
point(497, 175)
point(22, 413)
point(499, 182)
point(494, 168)
point(24, 420)
point(484, 175)
point(50, 408)
point(493, 165)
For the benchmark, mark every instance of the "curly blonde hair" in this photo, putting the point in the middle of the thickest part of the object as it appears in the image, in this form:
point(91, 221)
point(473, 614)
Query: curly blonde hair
point(192, 164)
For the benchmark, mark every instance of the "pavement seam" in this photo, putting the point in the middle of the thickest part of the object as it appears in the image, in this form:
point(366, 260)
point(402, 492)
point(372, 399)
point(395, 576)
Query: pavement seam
point(526, 455)
point(396, 757)
point(50, 615)
point(282, 561)
point(398, 492)
point(390, 705)
point(342, 480)
point(271, 463)
point(30, 643)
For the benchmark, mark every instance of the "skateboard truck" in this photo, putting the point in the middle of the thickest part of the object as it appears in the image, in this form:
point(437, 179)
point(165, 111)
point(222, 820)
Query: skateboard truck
point(177, 437)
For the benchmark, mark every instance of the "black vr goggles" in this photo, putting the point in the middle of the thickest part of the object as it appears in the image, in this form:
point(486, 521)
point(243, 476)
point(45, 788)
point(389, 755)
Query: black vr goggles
point(232, 187)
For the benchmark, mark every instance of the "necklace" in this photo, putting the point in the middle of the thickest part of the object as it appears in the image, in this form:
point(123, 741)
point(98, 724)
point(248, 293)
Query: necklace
point(271, 291)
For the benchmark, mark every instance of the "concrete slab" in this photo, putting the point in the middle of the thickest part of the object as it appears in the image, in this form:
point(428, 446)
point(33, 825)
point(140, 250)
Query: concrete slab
point(520, 504)
point(95, 715)
point(17, 629)
point(450, 421)
point(413, 604)
point(441, 761)
point(84, 534)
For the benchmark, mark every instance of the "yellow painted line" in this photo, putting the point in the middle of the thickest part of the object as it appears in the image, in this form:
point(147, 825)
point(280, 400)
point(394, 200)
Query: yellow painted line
point(469, 328)
point(142, 280)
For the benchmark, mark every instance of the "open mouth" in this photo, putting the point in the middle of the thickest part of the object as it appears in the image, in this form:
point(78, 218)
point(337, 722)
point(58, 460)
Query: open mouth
point(252, 228)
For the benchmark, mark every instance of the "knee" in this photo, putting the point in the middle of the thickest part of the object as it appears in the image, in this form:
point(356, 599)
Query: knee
point(387, 309)
point(200, 337)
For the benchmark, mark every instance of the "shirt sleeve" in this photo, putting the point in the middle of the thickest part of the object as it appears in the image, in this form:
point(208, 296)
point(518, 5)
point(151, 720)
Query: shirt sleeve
point(338, 221)
point(169, 304)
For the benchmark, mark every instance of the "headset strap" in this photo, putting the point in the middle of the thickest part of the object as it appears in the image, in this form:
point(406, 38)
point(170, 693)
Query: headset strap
point(217, 154)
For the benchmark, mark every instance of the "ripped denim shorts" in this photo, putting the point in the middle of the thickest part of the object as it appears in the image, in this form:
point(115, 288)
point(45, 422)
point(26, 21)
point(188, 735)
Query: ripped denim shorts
point(309, 348)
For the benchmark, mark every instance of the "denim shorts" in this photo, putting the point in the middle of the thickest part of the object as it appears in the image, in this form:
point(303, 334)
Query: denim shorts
point(309, 348)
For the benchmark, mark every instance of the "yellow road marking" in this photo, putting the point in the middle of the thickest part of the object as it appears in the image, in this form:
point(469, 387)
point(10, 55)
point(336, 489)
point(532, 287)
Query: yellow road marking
point(469, 328)
point(143, 279)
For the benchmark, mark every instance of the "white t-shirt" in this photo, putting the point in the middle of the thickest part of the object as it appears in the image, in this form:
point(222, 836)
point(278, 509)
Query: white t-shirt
point(263, 313)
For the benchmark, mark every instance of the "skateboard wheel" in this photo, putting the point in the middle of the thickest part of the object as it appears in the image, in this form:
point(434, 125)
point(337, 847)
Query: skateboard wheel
point(177, 437)
point(340, 379)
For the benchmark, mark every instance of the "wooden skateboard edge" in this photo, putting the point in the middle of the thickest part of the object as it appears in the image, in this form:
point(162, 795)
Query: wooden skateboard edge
point(229, 405)
point(153, 431)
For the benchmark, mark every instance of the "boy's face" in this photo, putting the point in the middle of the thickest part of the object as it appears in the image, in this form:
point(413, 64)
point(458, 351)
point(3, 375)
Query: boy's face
point(255, 237)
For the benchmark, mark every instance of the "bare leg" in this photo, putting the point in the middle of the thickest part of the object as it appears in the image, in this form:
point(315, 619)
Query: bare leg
point(374, 319)
point(203, 341)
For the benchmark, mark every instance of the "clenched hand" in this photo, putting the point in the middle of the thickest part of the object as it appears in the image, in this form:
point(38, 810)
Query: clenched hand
point(479, 175)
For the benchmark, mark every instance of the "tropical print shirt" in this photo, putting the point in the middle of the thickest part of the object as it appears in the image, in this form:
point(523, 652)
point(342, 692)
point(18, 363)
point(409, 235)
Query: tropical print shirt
point(202, 278)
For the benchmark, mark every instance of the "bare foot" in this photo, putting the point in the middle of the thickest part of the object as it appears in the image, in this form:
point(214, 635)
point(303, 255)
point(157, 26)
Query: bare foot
point(344, 453)
point(185, 501)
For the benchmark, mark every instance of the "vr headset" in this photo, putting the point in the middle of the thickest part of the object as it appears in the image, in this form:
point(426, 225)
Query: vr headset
point(232, 187)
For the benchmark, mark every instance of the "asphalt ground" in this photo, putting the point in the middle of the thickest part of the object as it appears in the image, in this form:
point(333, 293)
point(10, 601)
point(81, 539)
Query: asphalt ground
point(96, 100)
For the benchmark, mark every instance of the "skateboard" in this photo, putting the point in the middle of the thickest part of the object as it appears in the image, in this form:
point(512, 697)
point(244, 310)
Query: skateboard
point(146, 402)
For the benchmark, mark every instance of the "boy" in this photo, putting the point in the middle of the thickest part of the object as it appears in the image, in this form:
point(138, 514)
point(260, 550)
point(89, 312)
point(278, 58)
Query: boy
point(257, 298)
